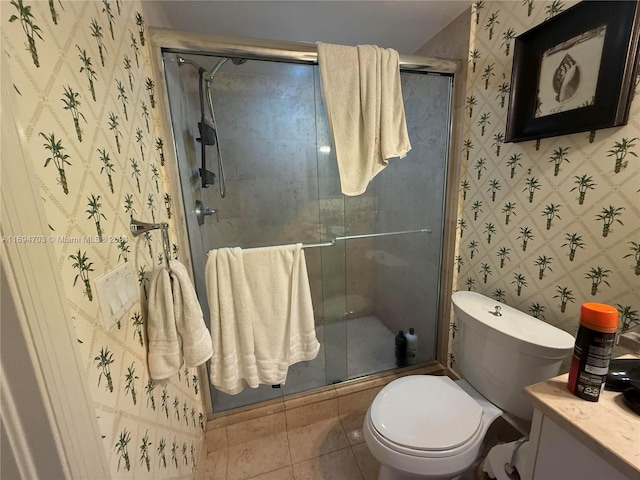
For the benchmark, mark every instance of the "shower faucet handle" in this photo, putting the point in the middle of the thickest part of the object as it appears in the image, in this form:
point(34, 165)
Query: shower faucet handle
point(201, 211)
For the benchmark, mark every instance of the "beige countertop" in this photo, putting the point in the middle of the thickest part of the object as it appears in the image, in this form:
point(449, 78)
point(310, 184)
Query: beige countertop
point(608, 426)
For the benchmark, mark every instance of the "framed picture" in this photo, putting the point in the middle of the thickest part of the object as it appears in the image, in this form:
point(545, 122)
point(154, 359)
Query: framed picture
point(575, 72)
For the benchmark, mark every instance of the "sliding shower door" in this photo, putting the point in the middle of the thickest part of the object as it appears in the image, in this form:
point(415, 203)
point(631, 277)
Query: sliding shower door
point(283, 187)
point(392, 258)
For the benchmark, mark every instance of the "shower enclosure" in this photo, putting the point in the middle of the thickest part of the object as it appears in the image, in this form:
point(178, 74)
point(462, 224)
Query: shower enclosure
point(374, 261)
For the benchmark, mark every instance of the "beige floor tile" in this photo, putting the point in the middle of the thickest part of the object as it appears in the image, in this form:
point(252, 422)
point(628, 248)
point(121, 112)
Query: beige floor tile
point(216, 439)
point(369, 466)
point(340, 465)
point(285, 473)
point(259, 456)
point(253, 429)
point(215, 467)
point(316, 439)
point(352, 424)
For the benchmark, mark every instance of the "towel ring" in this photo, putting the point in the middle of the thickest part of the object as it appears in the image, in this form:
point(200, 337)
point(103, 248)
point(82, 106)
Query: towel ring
point(138, 228)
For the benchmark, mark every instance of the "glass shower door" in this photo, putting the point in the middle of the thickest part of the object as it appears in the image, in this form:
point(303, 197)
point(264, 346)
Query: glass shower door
point(391, 254)
point(283, 187)
point(275, 192)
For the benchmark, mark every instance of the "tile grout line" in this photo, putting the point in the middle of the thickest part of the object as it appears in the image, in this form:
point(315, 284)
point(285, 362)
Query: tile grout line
point(355, 459)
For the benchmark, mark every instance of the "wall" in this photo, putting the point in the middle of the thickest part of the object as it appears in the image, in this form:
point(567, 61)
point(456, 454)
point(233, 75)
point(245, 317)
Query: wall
point(267, 201)
point(281, 187)
point(541, 276)
point(80, 68)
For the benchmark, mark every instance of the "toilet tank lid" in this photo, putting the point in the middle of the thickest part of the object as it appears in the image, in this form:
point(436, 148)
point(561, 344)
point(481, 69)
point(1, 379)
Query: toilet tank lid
point(425, 412)
point(531, 335)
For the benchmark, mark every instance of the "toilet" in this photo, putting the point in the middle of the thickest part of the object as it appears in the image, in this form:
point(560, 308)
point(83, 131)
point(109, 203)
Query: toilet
point(432, 427)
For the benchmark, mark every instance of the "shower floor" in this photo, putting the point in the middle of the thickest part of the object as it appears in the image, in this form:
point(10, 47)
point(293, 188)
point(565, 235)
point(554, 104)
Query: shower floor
point(370, 349)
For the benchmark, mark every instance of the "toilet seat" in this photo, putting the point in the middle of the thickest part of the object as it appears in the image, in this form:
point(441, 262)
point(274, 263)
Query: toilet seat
point(426, 416)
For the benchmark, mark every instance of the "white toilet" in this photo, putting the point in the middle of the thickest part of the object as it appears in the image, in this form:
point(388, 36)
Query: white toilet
point(428, 427)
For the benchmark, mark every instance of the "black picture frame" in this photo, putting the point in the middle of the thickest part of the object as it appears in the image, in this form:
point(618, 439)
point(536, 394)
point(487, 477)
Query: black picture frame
point(607, 87)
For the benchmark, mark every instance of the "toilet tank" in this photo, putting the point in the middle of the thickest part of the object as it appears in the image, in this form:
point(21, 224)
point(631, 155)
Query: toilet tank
point(499, 355)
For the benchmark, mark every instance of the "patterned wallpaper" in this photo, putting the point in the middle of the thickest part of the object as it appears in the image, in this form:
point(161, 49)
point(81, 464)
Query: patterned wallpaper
point(81, 74)
point(543, 226)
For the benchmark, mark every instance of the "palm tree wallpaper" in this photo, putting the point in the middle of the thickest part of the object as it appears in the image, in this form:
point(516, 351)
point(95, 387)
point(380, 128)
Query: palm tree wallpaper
point(542, 225)
point(81, 75)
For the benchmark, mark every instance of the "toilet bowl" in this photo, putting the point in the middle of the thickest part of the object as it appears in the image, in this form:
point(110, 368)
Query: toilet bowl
point(430, 427)
point(427, 427)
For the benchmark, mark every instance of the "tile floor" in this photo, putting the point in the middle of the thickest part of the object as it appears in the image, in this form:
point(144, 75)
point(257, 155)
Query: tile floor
point(312, 436)
point(328, 449)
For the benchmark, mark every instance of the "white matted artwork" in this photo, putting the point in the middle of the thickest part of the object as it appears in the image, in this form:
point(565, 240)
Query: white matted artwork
point(569, 73)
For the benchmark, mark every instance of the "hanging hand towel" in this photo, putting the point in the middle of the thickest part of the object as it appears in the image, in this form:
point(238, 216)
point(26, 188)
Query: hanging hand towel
point(164, 357)
point(363, 98)
point(261, 315)
point(196, 339)
point(175, 324)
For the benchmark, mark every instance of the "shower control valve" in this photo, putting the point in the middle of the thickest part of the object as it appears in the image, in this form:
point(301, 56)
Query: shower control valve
point(201, 211)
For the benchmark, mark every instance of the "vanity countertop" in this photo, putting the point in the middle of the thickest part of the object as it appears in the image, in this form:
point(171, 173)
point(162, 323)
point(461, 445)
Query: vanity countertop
point(608, 426)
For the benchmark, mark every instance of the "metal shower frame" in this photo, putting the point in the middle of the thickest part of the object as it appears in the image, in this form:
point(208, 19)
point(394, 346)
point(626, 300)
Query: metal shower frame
point(276, 50)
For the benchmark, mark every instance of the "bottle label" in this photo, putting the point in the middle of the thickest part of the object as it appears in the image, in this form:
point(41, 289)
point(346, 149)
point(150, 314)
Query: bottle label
point(590, 363)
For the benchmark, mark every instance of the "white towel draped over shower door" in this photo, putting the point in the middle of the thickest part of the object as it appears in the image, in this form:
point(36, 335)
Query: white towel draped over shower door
point(261, 315)
point(363, 97)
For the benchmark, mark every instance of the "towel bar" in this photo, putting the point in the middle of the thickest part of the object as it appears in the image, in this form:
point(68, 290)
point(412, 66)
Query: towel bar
point(332, 242)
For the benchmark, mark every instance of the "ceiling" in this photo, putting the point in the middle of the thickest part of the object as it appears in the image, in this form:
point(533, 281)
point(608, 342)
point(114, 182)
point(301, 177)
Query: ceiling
point(402, 25)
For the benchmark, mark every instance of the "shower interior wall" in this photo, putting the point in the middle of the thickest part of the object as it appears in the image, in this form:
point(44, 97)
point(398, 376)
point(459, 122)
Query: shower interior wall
point(413, 197)
point(283, 187)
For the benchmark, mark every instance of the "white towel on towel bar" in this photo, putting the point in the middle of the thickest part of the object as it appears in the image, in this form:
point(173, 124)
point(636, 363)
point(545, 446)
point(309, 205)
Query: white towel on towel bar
point(363, 98)
point(261, 315)
point(175, 324)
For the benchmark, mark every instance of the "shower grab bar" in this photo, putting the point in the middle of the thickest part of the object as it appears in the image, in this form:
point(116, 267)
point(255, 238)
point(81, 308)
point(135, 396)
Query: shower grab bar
point(138, 228)
point(332, 242)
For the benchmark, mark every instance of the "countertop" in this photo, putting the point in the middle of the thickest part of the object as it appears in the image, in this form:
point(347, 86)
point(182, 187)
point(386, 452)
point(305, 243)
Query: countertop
point(607, 426)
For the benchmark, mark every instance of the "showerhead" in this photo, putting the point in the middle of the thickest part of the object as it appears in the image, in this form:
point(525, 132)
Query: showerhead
point(238, 61)
point(183, 61)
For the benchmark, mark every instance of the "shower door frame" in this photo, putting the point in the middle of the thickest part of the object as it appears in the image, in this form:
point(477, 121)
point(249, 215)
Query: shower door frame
point(163, 40)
